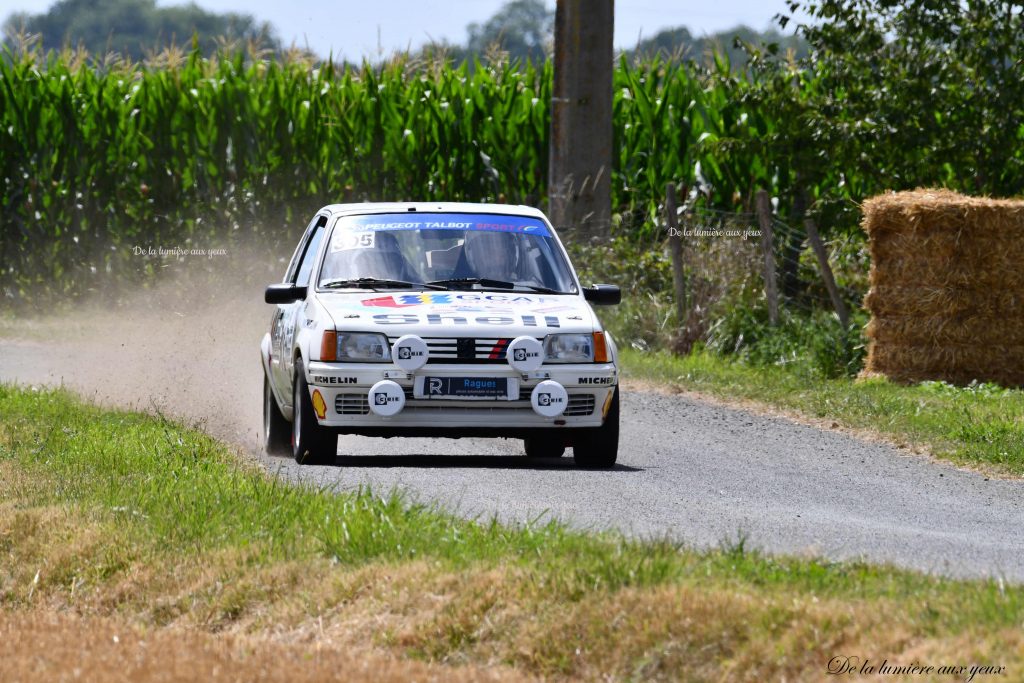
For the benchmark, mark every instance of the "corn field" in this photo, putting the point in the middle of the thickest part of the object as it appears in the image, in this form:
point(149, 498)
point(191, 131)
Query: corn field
point(100, 157)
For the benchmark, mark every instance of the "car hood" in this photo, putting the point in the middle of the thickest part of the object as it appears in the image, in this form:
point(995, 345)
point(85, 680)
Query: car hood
point(460, 313)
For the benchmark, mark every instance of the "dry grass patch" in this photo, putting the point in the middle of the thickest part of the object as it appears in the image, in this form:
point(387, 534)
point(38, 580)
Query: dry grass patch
point(49, 646)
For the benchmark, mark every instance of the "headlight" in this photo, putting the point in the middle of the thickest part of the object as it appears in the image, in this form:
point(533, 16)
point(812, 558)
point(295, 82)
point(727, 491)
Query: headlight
point(363, 347)
point(569, 348)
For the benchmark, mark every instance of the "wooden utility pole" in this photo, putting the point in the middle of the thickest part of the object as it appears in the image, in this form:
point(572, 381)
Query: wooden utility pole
point(579, 187)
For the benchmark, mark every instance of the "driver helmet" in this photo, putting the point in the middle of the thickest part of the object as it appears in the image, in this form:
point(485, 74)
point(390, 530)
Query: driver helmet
point(492, 255)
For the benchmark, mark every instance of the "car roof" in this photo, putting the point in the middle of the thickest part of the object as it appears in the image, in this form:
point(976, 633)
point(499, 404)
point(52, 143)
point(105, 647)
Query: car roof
point(432, 207)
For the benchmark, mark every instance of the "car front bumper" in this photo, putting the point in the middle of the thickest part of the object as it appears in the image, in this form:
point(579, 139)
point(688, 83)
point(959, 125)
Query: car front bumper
point(344, 390)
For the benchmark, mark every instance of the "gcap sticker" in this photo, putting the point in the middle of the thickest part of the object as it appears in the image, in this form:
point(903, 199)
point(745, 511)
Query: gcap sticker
point(483, 300)
point(549, 399)
point(525, 354)
point(410, 352)
point(319, 406)
point(386, 398)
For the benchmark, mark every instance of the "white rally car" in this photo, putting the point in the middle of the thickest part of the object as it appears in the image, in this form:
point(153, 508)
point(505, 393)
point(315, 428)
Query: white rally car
point(445, 320)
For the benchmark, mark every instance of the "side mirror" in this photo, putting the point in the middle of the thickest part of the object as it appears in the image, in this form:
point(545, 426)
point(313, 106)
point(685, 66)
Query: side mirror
point(603, 295)
point(284, 293)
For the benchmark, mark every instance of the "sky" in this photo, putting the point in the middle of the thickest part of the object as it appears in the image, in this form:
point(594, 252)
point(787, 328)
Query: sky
point(356, 28)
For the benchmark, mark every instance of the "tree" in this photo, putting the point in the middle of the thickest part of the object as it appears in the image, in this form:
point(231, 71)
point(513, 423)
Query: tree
point(134, 27)
point(522, 28)
point(892, 94)
point(920, 92)
point(679, 42)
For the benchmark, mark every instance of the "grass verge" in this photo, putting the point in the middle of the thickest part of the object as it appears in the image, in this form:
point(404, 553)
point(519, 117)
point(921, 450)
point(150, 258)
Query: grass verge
point(980, 426)
point(116, 515)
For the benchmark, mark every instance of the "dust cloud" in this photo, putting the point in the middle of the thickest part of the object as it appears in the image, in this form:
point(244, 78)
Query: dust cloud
point(185, 346)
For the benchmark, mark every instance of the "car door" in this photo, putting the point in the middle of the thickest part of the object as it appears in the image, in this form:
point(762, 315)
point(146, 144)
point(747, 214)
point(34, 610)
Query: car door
point(292, 316)
point(282, 327)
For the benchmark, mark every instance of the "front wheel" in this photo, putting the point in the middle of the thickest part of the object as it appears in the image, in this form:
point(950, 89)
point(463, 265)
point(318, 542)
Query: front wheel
point(276, 430)
point(598, 447)
point(311, 443)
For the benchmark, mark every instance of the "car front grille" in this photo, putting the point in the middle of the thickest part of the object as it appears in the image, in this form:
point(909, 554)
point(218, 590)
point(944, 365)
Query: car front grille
point(580, 404)
point(351, 404)
point(466, 350)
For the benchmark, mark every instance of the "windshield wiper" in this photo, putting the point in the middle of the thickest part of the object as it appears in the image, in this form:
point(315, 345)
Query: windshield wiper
point(373, 283)
point(482, 281)
point(494, 284)
point(541, 290)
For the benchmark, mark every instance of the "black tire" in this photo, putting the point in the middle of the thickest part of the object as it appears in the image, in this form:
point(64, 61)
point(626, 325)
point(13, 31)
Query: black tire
point(311, 443)
point(277, 432)
point(540, 447)
point(598, 448)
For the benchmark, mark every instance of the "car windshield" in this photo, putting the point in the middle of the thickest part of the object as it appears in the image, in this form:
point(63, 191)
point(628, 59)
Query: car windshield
point(446, 250)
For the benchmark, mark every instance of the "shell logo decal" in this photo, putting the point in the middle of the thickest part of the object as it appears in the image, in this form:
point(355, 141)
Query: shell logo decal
point(319, 406)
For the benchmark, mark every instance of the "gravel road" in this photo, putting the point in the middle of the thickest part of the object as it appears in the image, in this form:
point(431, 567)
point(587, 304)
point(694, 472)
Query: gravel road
point(696, 472)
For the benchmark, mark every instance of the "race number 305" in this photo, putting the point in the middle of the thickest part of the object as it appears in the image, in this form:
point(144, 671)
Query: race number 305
point(352, 240)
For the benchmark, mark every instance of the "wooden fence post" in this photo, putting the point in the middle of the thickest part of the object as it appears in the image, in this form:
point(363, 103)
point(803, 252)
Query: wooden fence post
point(771, 291)
point(826, 272)
point(675, 247)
